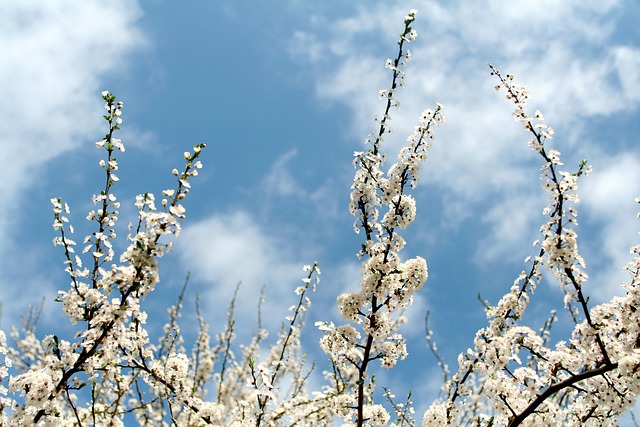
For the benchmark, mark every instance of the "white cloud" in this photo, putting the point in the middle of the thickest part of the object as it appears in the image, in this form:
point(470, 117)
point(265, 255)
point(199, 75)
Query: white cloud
point(226, 249)
point(54, 55)
point(609, 195)
point(306, 46)
point(627, 62)
point(512, 222)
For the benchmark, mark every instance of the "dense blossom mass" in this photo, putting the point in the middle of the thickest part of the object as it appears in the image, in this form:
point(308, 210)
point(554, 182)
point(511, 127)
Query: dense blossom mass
point(111, 372)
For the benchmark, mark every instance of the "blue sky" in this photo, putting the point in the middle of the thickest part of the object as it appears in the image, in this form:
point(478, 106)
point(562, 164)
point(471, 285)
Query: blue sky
point(283, 93)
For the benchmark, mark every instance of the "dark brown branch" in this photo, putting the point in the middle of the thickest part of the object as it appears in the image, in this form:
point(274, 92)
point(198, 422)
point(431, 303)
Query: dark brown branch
point(552, 389)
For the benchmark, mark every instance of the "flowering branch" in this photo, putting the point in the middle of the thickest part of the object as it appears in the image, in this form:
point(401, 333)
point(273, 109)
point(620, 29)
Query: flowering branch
point(558, 385)
point(110, 323)
point(387, 284)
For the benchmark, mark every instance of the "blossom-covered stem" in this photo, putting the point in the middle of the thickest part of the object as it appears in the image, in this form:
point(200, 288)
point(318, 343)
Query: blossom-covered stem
point(397, 66)
point(539, 135)
point(172, 388)
point(300, 307)
point(555, 388)
point(76, 368)
point(387, 284)
point(362, 370)
point(59, 209)
point(398, 78)
point(105, 218)
point(84, 356)
point(225, 341)
point(585, 309)
point(174, 313)
point(403, 411)
point(190, 169)
point(528, 281)
point(433, 347)
point(201, 352)
point(402, 174)
point(73, 407)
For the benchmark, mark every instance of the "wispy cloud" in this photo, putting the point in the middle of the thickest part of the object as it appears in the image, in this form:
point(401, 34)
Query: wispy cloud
point(279, 181)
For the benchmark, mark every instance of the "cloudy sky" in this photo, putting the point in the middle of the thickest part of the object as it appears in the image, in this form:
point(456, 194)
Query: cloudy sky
point(282, 93)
